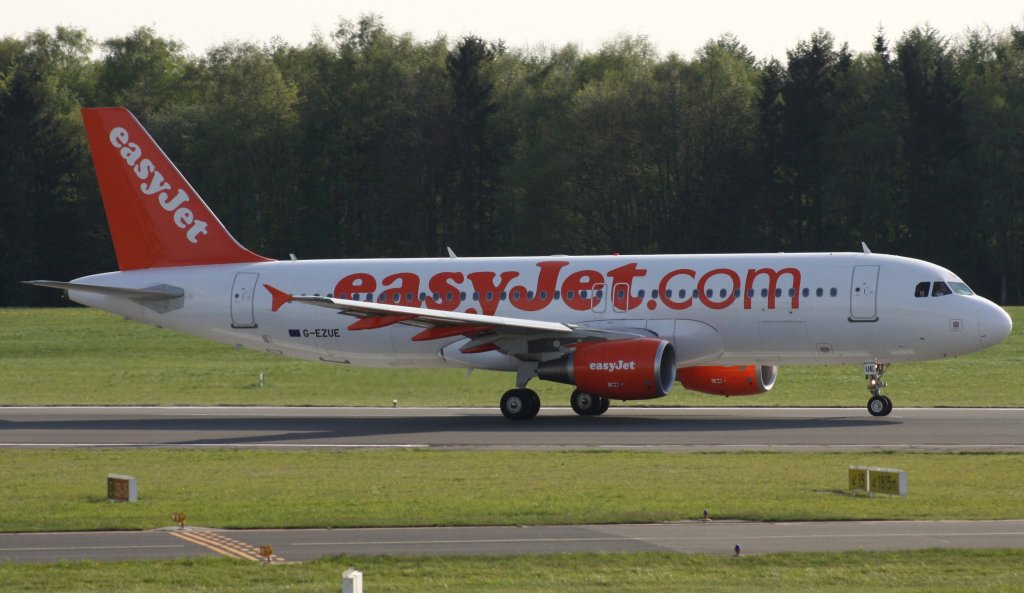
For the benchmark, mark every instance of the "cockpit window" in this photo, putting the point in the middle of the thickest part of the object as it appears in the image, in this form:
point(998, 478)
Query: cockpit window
point(961, 288)
point(940, 289)
point(922, 289)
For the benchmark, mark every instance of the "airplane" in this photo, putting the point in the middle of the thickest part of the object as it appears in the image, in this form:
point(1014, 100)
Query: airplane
point(615, 327)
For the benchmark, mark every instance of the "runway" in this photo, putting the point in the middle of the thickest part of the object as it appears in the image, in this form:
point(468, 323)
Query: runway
point(685, 537)
point(683, 429)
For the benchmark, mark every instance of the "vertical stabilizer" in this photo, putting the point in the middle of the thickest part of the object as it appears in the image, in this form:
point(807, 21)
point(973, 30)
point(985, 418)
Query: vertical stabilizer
point(156, 219)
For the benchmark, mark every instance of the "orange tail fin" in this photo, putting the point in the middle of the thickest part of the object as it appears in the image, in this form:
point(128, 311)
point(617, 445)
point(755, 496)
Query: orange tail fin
point(156, 219)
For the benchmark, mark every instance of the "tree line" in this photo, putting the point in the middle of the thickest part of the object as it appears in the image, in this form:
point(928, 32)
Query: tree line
point(369, 143)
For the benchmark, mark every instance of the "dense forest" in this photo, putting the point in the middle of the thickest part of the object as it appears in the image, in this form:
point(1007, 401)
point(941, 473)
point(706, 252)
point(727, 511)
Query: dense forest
point(370, 143)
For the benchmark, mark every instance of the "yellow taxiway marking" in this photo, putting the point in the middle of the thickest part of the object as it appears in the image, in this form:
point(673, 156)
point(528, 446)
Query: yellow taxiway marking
point(223, 545)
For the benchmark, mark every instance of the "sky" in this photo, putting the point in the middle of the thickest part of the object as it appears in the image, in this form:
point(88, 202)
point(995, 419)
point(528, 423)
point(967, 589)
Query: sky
point(767, 27)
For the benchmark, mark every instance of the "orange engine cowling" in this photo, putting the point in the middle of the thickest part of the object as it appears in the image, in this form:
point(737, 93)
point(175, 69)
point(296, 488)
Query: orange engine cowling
point(643, 368)
point(729, 381)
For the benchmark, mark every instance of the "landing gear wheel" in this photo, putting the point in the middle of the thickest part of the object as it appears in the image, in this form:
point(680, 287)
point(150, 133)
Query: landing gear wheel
point(879, 405)
point(519, 404)
point(605, 404)
point(534, 400)
point(585, 404)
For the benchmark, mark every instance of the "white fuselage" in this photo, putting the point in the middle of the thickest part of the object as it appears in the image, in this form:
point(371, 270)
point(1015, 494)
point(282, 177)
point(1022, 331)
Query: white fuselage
point(817, 308)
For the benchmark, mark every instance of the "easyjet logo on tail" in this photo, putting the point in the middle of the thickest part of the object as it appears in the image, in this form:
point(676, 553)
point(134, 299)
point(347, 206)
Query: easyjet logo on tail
point(154, 185)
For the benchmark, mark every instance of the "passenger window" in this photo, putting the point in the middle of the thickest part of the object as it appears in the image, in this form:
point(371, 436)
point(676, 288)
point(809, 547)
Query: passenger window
point(764, 293)
point(819, 292)
point(922, 289)
point(558, 295)
point(940, 289)
point(833, 292)
point(806, 292)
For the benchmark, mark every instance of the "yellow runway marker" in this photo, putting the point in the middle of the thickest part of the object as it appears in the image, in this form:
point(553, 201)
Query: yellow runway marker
point(223, 545)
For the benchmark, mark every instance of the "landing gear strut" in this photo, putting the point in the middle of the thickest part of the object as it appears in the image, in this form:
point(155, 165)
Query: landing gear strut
point(520, 404)
point(585, 404)
point(878, 405)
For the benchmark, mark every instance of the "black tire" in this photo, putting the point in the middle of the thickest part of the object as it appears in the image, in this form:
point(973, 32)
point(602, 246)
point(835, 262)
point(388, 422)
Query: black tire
point(877, 406)
point(534, 400)
point(605, 404)
point(517, 404)
point(585, 404)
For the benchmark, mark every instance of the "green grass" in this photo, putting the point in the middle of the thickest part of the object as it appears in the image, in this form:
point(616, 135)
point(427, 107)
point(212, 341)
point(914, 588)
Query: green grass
point(57, 490)
point(79, 356)
point(932, 571)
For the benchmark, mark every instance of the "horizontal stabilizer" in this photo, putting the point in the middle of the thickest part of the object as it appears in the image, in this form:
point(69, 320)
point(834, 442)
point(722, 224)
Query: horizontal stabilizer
point(162, 292)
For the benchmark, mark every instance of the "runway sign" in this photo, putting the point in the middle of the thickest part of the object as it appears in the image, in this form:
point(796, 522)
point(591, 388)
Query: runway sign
point(122, 488)
point(878, 479)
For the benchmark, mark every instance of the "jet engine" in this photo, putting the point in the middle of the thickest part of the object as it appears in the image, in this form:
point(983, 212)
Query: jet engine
point(729, 381)
point(641, 368)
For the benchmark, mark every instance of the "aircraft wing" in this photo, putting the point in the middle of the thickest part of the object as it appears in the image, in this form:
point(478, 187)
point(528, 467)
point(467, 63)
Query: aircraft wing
point(512, 335)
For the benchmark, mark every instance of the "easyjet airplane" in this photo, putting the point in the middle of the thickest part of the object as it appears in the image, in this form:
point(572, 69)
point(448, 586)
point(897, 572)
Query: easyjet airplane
point(614, 327)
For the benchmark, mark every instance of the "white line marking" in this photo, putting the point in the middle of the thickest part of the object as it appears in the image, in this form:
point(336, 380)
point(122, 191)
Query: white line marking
point(65, 548)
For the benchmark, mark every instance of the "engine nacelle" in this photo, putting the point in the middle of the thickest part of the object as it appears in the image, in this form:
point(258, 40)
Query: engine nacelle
point(643, 368)
point(729, 381)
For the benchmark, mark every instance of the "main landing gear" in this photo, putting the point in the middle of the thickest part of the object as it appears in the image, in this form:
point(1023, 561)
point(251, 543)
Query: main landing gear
point(585, 404)
point(878, 405)
point(520, 404)
point(523, 404)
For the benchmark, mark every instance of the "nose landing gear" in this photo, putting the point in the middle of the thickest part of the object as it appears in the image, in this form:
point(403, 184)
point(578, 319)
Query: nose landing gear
point(878, 405)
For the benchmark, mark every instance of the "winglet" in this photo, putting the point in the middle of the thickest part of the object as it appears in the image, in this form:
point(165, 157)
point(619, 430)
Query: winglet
point(156, 218)
point(278, 297)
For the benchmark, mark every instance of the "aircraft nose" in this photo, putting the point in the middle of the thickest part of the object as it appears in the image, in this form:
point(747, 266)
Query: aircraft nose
point(994, 325)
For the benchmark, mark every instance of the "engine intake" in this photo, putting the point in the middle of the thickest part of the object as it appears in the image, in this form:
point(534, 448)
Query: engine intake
point(642, 368)
point(729, 381)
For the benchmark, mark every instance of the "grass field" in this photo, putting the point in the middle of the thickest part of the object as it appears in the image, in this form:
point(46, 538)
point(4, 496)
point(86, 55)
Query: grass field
point(928, 571)
point(81, 356)
point(59, 490)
